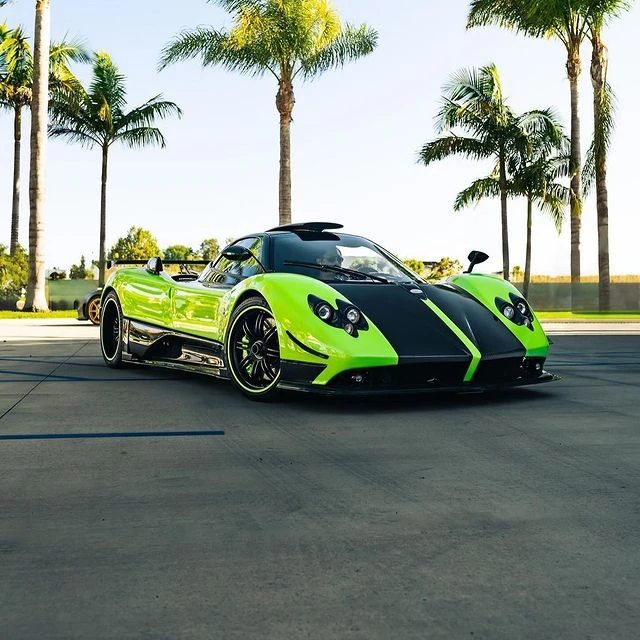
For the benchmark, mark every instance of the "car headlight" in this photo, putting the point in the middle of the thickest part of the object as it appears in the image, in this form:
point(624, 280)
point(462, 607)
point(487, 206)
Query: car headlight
point(344, 315)
point(522, 308)
point(324, 311)
point(508, 312)
point(353, 315)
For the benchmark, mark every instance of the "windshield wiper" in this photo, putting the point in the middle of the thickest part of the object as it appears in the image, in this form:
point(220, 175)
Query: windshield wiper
point(335, 269)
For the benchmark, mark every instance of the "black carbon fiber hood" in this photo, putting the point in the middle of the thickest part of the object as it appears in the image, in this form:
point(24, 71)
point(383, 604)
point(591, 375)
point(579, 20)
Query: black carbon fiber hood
point(415, 331)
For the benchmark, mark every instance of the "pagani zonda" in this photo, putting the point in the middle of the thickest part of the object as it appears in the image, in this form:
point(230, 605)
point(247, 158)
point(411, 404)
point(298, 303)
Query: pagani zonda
point(306, 307)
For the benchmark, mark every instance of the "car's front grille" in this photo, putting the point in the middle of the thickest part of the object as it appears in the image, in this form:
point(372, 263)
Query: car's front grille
point(506, 370)
point(402, 376)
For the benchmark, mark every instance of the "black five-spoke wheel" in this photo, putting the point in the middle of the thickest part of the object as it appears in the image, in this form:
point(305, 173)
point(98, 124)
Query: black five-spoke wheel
point(253, 350)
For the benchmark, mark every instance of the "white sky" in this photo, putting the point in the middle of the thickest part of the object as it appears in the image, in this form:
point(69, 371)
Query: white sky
point(355, 138)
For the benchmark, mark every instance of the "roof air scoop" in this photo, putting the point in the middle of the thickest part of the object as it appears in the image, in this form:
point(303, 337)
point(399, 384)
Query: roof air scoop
point(308, 226)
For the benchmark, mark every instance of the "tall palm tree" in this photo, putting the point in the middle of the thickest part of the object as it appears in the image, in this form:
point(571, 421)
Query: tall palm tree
point(473, 101)
point(561, 19)
point(16, 93)
point(596, 16)
point(98, 117)
point(286, 38)
point(36, 299)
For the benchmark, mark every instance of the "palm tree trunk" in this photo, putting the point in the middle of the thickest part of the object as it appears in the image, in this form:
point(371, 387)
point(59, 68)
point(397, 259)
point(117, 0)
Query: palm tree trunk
point(575, 197)
point(103, 215)
point(598, 80)
point(285, 101)
point(15, 206)
point(503, 214)
point(527, 259)
point(36, 298)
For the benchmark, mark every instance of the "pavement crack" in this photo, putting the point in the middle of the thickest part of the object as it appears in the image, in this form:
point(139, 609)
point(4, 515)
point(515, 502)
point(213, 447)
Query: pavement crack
point(37, 384)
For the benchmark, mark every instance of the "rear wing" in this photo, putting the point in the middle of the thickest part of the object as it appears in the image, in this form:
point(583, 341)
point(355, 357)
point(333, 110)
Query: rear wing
point(113, 263)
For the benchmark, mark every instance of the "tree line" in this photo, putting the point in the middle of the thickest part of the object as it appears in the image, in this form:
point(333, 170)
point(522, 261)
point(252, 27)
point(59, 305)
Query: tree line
point(301, 39)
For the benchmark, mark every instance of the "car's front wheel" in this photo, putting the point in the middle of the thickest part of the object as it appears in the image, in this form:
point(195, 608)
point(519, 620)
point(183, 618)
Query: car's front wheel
point(253, 350)
point(111, 331)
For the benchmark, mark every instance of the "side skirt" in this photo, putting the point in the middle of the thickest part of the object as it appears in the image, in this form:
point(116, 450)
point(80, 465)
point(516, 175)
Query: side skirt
point(159, 346)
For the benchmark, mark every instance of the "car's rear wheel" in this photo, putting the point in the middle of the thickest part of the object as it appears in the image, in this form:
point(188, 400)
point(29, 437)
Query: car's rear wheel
point(253, 350)
point(111, 331)
point(93, 310)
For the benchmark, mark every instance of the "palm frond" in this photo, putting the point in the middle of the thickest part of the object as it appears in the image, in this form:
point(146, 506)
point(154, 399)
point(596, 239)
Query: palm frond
point(454, 145)
point(79, 134)
point(141, 137)
point(217, 48)
point(351, 44)
point(480, 189)
point(146, 115)
point(602, 136)
point(107, 91)
point(554, 202)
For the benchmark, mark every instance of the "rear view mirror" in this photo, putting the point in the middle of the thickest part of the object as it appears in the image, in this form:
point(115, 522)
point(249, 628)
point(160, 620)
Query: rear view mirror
point(476, 257)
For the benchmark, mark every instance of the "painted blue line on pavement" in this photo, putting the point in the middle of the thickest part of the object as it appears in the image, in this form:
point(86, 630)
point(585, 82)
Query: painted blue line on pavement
point(115, 434)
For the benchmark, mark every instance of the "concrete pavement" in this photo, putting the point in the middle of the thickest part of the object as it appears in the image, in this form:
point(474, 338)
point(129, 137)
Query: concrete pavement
point(511, 515)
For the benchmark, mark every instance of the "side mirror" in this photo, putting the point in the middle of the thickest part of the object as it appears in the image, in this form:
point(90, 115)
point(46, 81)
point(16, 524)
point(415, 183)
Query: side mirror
point(476, 257)
point(154, 265)
point(236, 253)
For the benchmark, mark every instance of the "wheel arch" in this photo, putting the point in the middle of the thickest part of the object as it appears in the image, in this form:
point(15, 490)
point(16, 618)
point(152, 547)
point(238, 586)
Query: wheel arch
point(245, 295)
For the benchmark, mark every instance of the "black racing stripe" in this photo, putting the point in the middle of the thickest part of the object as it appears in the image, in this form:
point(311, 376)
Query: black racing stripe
point(413, 330)
point(478, 323)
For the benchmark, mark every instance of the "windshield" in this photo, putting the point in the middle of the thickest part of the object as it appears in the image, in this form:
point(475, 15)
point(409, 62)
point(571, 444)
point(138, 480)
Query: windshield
point(337, 257)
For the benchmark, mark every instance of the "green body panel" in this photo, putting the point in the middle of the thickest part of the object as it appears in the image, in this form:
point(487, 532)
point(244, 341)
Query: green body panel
point(486, 288)
point(205, 311)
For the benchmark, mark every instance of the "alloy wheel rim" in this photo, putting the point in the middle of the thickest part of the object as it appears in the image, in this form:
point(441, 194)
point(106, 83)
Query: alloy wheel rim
point(255, 350)
point(93, 310)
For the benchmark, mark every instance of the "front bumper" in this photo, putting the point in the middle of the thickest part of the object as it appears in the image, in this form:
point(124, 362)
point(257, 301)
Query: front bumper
point(418, 377)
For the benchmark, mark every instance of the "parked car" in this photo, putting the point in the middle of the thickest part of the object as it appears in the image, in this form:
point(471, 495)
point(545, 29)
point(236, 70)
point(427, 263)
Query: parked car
point(89, 307)
point(309, 308)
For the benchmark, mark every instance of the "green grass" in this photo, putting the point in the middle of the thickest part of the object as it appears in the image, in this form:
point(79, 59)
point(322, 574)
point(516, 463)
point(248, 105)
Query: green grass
point(588, 315)
point(18, 315)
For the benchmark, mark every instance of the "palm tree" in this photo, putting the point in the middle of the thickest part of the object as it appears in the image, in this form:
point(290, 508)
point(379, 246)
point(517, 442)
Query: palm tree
point(98, 117)
point(535, 176)
point(36, 299)
point(286, 38)
point(540, 159)
point(596, 164)
point(16, 93)
point(563, 20)
point(473, 101)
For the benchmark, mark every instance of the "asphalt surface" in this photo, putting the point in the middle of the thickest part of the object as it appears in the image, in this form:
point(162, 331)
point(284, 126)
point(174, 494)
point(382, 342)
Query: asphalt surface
point(511, 515)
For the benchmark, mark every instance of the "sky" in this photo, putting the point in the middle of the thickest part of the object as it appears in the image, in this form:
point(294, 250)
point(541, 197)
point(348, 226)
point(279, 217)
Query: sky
point(355, 138)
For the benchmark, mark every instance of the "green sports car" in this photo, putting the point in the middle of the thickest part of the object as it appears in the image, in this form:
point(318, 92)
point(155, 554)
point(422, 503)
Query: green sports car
point(306, 307)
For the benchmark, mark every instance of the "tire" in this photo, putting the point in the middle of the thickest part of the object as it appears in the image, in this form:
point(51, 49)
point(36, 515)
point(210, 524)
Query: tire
point(253, 351)
point(111, 332)
point(93, 310)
